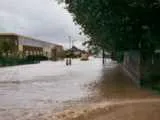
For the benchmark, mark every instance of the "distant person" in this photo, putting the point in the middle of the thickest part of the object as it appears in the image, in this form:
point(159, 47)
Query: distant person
point(70, 61)
point(67, 61)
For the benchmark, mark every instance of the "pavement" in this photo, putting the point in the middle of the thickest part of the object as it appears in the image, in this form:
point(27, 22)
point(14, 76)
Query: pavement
point(125, 110)
point(42, 88)
point(133, 111)
point(122, 100)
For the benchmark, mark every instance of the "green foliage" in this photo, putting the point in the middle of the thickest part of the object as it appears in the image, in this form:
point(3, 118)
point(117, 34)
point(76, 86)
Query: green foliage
point(36, 58)
point(151, 76)
point(11, 61)
point(7, 46)
point(119, 56)
point(119, 25)
point(151, 80)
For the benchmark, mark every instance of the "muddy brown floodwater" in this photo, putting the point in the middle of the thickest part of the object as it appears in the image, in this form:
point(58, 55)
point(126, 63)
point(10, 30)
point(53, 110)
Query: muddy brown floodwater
point(84, 91)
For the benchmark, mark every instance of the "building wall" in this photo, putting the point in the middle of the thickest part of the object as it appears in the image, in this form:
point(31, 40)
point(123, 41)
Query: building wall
point(32, 50)
point(25, 46)
point(59, 51)
point(48, 50)
point(29, 46)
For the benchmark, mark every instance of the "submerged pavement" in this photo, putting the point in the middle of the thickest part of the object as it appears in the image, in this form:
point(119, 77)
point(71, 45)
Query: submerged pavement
point(49, 89)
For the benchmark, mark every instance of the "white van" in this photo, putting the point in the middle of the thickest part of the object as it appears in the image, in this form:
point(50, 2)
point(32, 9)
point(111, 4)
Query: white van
point(84, 56)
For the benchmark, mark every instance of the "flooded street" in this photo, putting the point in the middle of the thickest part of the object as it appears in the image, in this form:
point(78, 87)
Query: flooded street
point(46, 86)
point(123, 36)
point(42, 89)
point(42, 85)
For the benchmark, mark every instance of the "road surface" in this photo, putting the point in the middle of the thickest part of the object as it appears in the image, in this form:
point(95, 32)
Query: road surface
point(42, 91)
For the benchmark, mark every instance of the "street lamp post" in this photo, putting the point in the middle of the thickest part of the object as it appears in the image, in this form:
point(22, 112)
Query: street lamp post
point(69, 59)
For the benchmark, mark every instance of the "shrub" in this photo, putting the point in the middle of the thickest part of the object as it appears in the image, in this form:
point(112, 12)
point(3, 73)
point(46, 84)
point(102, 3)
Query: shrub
point(10, 61)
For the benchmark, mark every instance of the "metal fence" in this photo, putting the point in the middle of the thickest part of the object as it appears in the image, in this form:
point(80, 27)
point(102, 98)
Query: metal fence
point(132, 64)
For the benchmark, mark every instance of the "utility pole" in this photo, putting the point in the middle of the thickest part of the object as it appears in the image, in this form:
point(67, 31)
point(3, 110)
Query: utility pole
point(103, 56)
point(70, 42)
point(70, 47)
point(69, 58)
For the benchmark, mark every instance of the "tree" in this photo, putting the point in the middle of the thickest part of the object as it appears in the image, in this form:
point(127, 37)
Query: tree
point(7, 46)
point(119, 25)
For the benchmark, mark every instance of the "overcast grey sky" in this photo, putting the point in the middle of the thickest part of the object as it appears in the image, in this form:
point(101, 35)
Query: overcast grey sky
point(42, 19)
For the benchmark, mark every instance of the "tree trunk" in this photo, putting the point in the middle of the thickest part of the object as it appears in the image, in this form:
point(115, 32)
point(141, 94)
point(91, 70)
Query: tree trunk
point(103, 57)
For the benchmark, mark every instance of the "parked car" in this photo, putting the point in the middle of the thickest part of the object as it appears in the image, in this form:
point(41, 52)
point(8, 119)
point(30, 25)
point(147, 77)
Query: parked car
point(84, 57)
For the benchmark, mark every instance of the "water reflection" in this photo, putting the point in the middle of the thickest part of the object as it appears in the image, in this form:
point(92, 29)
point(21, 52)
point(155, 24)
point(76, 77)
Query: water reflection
point(49, 86)
point(115, 84)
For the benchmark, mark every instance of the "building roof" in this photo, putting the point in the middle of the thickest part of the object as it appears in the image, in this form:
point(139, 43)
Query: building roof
point(14, 34)
point(75, 49)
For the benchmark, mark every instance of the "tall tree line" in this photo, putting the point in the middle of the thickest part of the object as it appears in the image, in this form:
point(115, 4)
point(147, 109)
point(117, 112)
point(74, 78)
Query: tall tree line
point(119, 25)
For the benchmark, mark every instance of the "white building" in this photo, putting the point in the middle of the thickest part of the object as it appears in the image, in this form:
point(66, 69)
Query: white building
point(28, 46)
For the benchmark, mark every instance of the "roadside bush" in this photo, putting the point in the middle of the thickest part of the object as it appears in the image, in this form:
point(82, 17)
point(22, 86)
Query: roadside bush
point(119, 57)
point(151, 78)
point(11, 61)
point(36, 58)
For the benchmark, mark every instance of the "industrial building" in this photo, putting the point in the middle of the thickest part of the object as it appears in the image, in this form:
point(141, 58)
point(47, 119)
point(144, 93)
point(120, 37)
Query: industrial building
point(25, 46)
